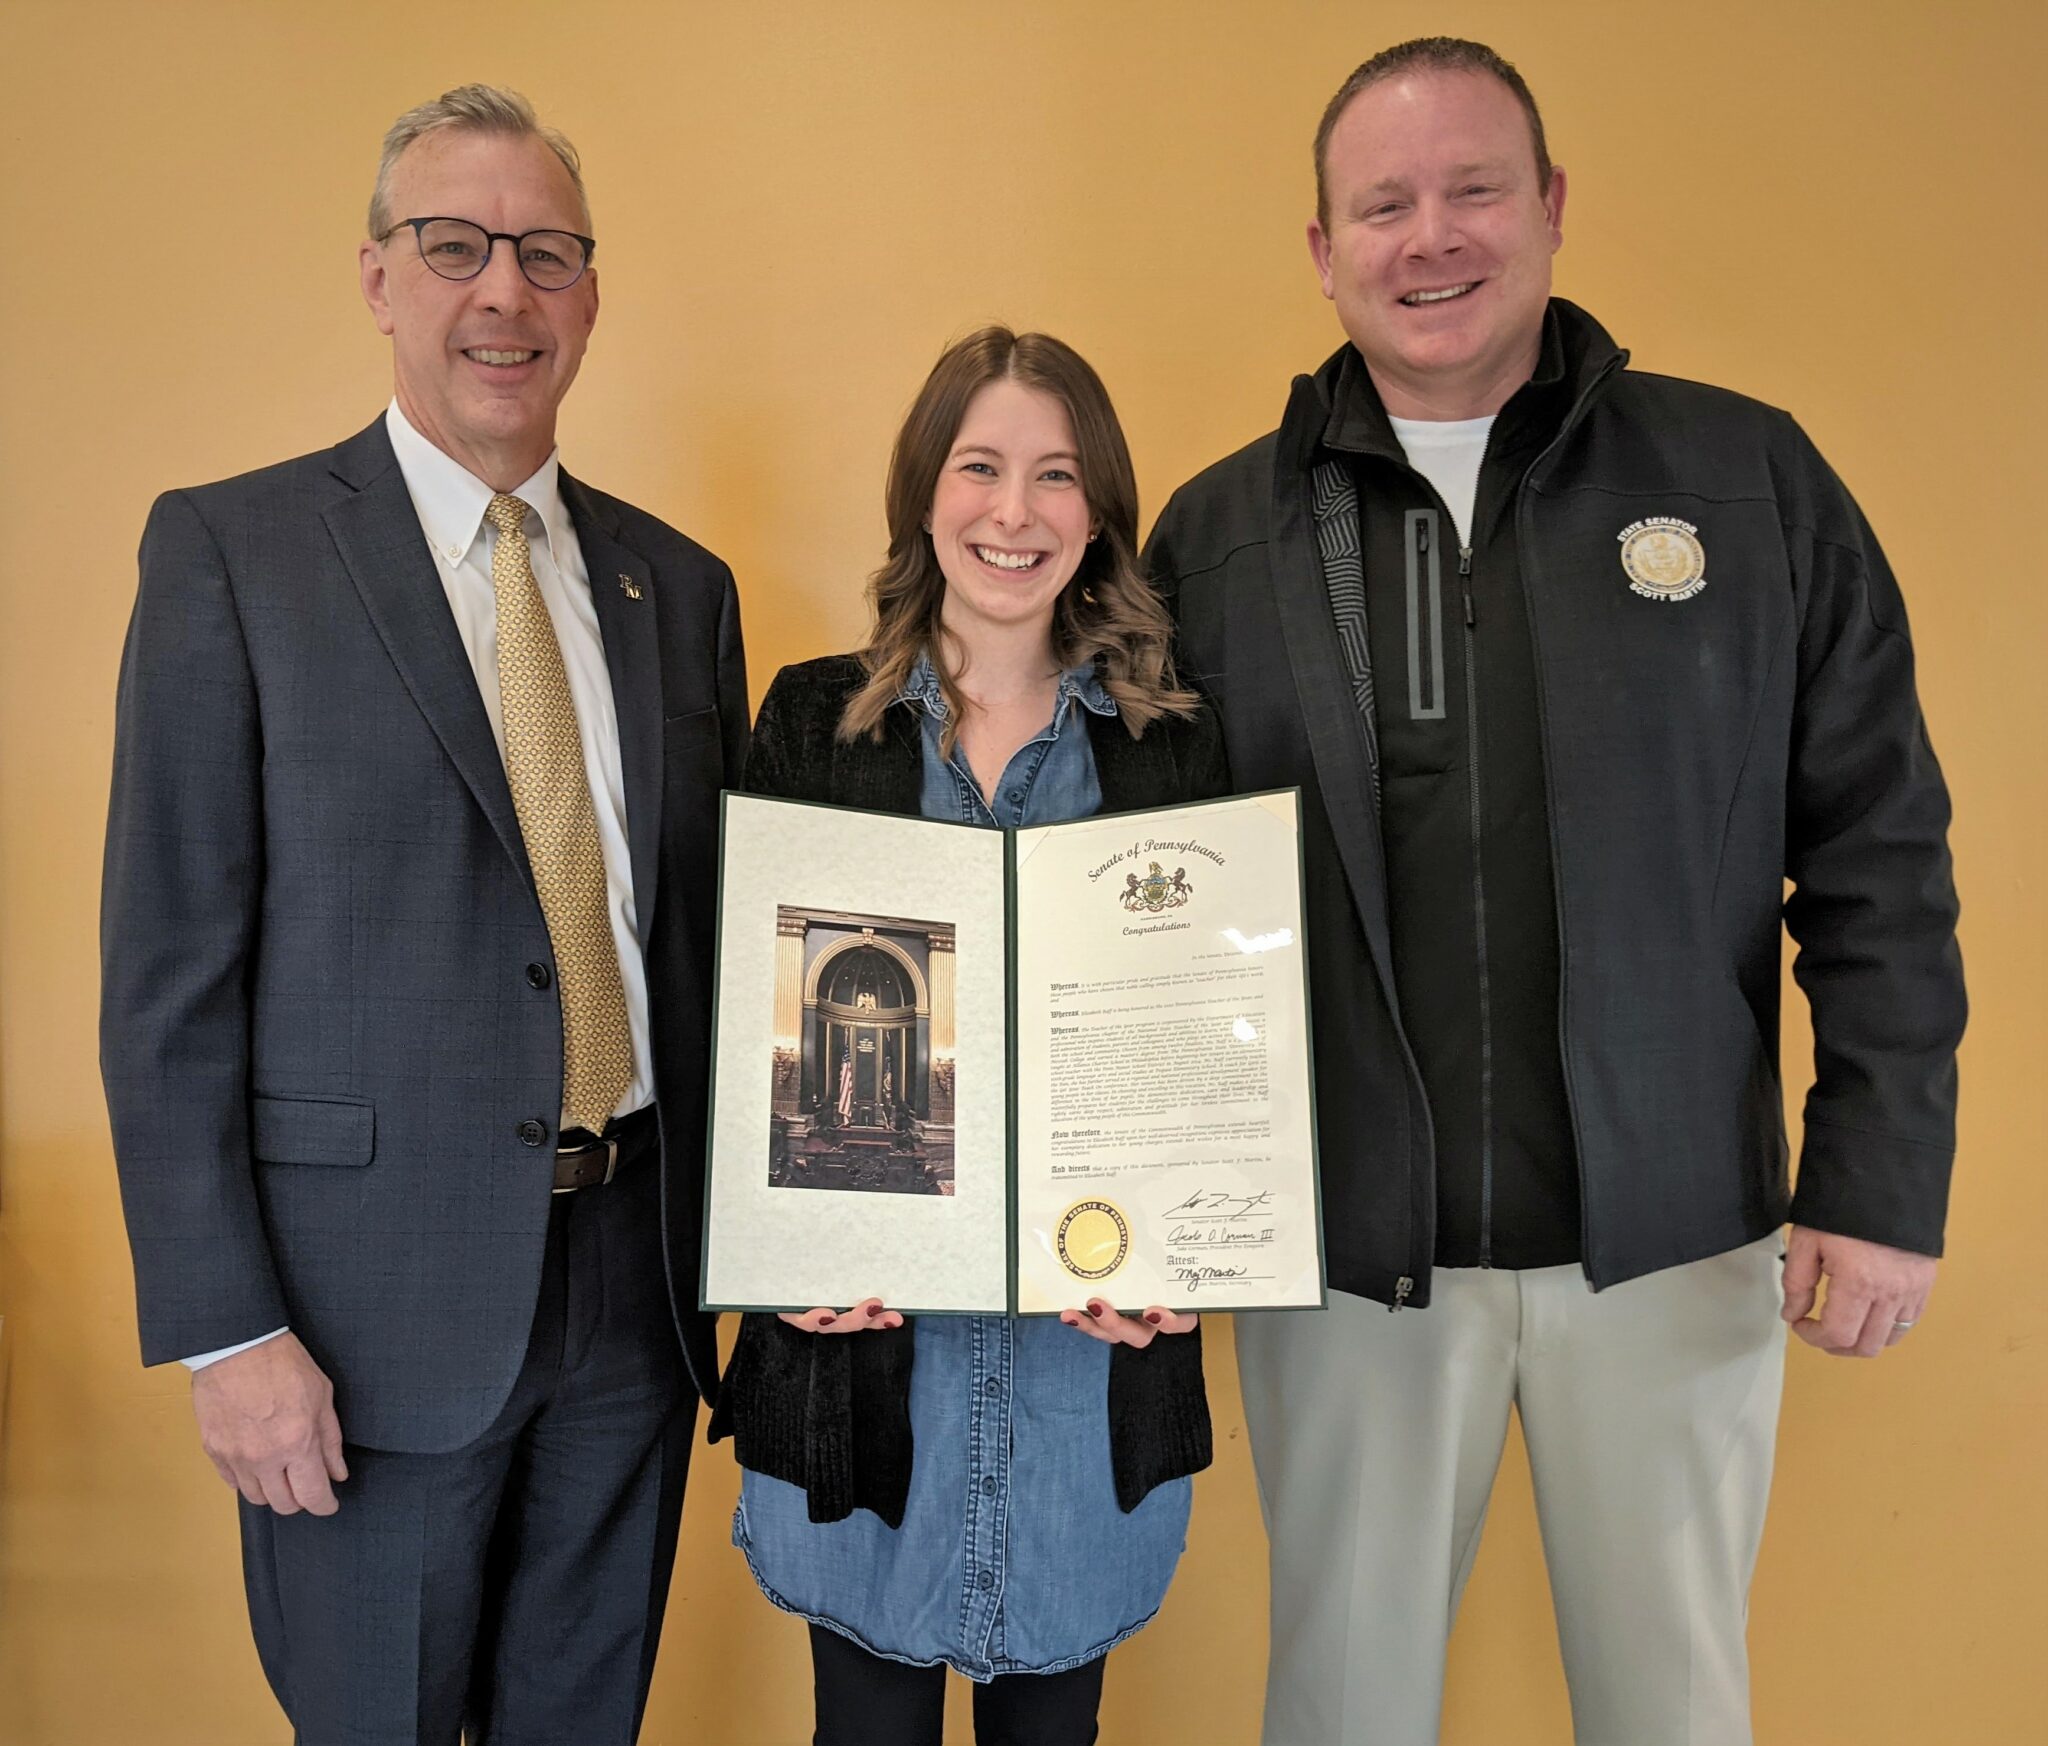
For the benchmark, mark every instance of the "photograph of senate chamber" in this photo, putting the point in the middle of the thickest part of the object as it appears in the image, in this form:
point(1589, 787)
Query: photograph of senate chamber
point(863, 1070)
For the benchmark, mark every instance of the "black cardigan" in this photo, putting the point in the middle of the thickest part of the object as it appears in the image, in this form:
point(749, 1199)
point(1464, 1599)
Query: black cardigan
point(833, 1414)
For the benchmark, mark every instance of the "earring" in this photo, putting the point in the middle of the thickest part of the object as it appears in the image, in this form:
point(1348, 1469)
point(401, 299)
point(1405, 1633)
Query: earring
point(1092, 538)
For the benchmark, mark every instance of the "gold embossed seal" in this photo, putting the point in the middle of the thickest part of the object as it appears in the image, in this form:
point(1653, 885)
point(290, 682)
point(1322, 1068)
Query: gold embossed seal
point(1092, 1240)
point(1663, 558)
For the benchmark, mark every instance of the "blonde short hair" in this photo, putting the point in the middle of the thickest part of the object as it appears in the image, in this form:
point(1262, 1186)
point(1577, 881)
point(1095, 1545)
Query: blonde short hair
point(475, 109)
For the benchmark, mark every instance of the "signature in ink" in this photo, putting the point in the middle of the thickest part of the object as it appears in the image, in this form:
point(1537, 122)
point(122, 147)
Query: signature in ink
point(1216, 1201)
point(1195, 1277)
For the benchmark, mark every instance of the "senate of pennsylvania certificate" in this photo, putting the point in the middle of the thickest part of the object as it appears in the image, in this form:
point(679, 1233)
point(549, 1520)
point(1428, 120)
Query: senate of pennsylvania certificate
point(977, 1071)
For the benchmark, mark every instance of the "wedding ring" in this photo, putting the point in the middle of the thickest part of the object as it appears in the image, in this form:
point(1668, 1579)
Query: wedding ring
point(1900, 1327)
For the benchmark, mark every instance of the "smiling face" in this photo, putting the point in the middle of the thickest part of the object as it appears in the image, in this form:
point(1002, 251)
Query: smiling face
point(481, 364)
point(1437, 247)
point(1009, 519)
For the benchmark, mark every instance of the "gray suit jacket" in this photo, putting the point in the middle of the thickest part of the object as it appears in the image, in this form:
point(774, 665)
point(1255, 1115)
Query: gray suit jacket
point(322, 1049)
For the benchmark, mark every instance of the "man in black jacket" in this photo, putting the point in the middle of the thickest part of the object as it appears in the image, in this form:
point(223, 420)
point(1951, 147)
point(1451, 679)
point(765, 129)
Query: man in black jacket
point(1576, 667)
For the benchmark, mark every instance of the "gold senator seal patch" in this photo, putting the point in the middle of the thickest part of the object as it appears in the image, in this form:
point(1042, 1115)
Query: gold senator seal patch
point(1092, 1240)
point(1663, 558)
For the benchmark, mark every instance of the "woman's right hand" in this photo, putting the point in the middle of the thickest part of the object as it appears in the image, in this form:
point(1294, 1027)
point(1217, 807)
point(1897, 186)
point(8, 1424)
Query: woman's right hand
point(866, 1314)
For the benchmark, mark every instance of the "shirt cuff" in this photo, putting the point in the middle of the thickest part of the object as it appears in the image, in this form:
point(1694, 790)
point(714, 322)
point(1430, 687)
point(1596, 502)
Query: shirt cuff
point(206, 1358)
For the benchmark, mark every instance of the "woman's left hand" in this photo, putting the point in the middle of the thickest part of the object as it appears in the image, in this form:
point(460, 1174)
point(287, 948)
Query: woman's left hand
point(1100, 1321)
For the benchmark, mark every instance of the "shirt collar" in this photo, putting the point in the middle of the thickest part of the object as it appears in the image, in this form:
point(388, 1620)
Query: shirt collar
point(922, 689)
point(1082, 683)
point(450, 500)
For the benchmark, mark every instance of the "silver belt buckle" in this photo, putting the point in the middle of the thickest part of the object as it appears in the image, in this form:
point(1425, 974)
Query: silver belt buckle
point(611, 1167)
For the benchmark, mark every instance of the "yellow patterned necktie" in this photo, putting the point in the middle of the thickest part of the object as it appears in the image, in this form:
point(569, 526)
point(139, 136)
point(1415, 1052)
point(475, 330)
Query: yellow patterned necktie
point(551, 793)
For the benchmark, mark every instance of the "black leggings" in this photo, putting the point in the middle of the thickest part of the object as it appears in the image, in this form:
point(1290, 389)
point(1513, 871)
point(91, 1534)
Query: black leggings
point(866, 1700)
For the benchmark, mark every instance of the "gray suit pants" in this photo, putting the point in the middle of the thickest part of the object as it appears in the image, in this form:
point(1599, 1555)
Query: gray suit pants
point(1650, 1411)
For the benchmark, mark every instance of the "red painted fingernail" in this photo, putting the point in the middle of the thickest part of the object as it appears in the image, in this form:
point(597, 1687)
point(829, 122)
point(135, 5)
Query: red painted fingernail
point(1095, 1309)
point(875, 1309)
point(1154, 1317)
point(826, 1321)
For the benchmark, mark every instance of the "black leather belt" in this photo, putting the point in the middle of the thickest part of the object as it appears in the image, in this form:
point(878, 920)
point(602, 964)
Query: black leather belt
point(587, 1160)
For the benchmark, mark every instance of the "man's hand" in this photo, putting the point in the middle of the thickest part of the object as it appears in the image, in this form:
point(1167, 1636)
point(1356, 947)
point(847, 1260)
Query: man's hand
point(266, 1421)
point(1875, 1293)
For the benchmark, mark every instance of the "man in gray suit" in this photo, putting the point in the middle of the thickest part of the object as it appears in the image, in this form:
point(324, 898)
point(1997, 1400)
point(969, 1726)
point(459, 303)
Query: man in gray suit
point(407, 929)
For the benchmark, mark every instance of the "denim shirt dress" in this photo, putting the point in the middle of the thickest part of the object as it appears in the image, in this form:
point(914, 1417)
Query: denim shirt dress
point(1013, 1556)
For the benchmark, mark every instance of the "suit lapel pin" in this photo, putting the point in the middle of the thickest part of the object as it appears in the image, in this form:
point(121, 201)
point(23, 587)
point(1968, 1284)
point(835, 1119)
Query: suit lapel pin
point(631, 588)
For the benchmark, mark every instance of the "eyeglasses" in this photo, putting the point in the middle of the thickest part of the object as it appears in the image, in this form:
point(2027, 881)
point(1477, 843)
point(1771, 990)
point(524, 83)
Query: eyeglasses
point(552, 260)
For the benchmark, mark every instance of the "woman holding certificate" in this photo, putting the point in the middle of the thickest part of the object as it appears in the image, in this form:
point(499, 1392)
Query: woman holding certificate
point(1007, 1497)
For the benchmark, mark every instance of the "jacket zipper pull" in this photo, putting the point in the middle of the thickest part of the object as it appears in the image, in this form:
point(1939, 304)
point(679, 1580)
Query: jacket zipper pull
point(1465, 584)
point(1402, 1287)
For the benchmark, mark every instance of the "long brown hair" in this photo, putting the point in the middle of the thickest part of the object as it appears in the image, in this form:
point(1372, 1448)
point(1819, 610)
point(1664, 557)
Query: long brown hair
point(1107, 613)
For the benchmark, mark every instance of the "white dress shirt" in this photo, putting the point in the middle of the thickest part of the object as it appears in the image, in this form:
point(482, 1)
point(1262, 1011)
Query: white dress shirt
point(450, 502)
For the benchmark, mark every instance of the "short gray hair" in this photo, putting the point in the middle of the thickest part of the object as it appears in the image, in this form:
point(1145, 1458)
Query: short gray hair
point(474, 109)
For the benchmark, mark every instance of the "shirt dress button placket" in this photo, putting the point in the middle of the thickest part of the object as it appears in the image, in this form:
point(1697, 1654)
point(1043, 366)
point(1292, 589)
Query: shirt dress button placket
point(988, 1464)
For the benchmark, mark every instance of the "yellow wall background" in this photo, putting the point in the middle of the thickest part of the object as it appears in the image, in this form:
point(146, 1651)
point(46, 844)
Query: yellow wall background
point(1835, 205)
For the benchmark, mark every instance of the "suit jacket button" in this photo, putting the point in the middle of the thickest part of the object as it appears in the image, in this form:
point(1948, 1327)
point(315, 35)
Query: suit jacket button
point(538, 976)
point(532, 1133)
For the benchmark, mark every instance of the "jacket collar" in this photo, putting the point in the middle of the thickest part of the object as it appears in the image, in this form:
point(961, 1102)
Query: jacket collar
point(1584, 358)
point(377, 531)
point(629, 608)
point(1574, 355)
point(384, 547)
point(451, 500)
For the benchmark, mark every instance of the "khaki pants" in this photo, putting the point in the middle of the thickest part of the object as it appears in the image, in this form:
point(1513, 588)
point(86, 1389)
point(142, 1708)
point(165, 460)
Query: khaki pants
point(1650, 1411)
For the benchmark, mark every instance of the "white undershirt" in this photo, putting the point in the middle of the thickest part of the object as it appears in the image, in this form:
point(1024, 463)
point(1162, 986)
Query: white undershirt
point(450, 502)
point(1447, 453)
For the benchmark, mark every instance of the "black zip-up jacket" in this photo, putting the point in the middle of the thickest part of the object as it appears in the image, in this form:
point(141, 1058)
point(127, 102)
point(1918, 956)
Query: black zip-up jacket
point(1471, 906)
point(831, 1413)
point(1702, 745)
